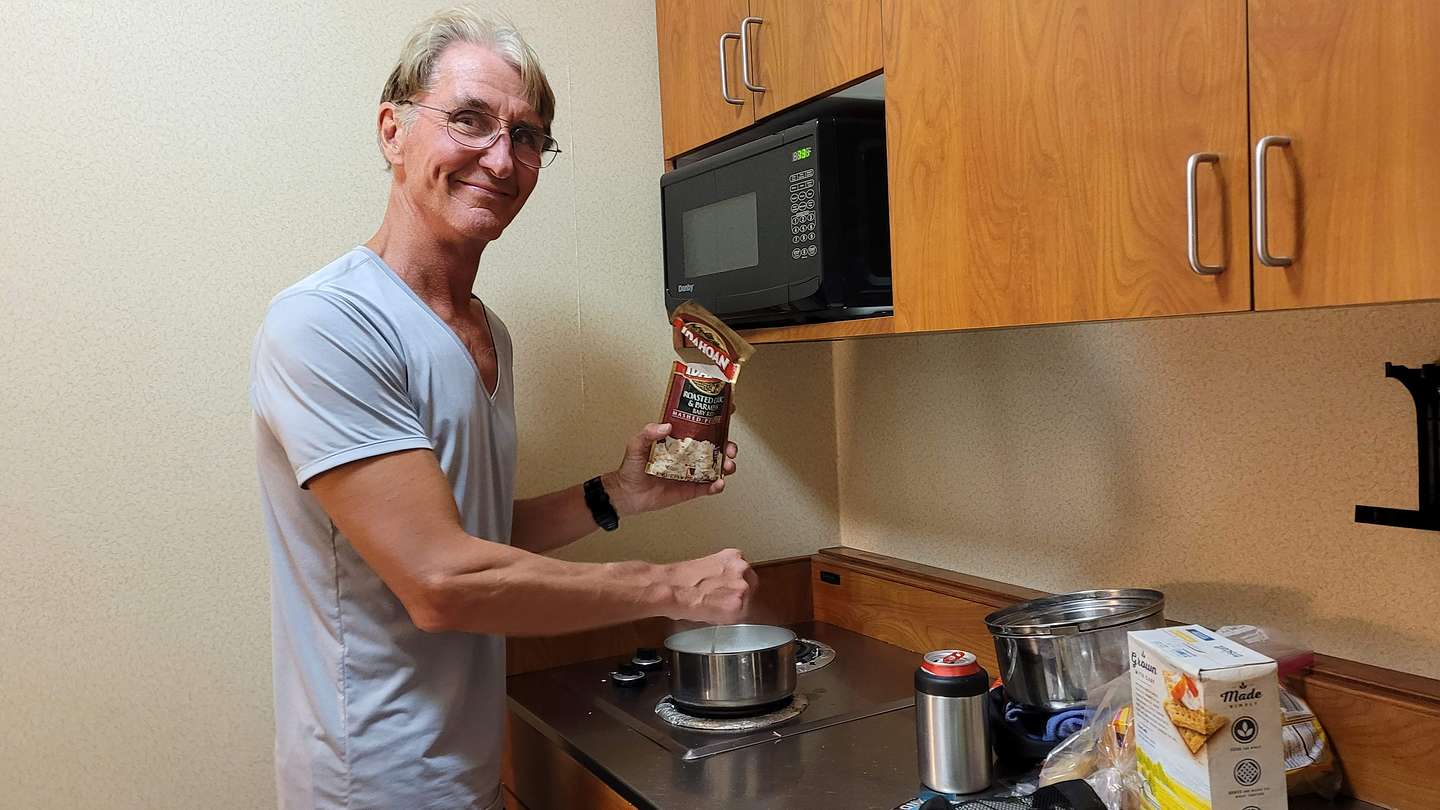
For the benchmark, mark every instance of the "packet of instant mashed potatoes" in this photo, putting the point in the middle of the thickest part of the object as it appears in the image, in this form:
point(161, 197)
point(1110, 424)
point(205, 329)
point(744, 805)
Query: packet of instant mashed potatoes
point(700, 398)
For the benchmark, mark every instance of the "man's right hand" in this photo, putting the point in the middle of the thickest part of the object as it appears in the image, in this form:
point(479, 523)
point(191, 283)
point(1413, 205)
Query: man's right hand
point(714, 589)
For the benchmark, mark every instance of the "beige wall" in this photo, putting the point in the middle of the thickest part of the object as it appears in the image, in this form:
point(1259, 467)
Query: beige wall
point(167, 168)
point(1217, 458)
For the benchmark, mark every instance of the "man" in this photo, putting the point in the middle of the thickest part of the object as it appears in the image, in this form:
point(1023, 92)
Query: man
point(386, 445)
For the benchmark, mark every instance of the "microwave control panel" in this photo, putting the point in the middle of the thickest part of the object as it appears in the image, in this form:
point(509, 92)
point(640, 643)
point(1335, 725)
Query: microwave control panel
point(804, 200)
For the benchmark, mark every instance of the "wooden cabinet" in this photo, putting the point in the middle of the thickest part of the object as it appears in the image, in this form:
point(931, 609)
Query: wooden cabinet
point(1038, 155)
point(537, 775)
point(1354, 197)
point(800, 49)
point(1043, 154)
point(693, 109)
point(794, 49)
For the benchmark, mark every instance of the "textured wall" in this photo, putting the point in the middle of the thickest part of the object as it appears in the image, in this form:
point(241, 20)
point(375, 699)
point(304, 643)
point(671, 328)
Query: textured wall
point(168, 168)
point(1217, 458)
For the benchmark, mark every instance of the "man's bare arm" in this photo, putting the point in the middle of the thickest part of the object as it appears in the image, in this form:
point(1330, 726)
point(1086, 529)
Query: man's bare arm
point(399, 514)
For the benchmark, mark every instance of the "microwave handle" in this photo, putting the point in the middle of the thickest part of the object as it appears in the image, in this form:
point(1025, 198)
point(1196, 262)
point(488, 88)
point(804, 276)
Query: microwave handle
point(745, 53)
point(725, 71)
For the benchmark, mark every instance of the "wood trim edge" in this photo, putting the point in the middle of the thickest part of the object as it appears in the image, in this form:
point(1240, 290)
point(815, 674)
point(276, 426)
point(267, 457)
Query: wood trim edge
point(939, 580)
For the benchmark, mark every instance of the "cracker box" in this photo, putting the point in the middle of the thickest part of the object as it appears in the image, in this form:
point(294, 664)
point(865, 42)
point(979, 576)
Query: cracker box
point(1207, 722)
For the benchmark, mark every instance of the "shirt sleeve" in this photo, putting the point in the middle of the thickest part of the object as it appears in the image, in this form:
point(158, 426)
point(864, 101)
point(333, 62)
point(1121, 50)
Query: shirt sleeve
point(329, 386)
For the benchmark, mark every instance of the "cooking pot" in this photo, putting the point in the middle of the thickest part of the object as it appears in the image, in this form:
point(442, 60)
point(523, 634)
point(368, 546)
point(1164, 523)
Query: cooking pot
point(734, 669)
point(1053, 650)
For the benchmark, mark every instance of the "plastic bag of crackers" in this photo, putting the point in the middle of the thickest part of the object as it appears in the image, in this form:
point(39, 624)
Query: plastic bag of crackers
point(700, 397)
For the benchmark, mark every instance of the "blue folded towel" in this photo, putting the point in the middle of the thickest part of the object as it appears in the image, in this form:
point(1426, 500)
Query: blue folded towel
point(1065, 723)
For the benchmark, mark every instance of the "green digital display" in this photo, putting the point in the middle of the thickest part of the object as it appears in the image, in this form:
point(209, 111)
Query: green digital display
point(801, 154)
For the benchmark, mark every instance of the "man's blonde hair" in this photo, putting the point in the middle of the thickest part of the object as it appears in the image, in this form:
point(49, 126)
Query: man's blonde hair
point(415, 72)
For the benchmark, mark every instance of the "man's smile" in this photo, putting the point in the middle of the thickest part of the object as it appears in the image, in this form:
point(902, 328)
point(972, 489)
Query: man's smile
point(485, 188)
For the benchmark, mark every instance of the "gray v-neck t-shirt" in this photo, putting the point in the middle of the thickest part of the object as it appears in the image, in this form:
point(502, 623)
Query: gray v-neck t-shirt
point(370, 711)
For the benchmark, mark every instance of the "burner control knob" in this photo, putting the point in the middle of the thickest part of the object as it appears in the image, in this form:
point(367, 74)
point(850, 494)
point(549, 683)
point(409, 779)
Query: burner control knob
point(647, 658)
point(627, 675)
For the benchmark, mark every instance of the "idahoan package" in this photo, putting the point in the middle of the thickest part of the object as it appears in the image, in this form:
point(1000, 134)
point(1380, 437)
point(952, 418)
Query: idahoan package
point(700, 398)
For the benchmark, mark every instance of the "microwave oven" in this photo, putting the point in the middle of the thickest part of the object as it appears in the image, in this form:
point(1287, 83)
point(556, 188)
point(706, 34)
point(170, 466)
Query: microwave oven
point(788, 223)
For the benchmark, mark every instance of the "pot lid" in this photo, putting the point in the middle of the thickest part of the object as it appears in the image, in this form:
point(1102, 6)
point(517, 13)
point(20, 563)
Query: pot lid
point(1077, 612)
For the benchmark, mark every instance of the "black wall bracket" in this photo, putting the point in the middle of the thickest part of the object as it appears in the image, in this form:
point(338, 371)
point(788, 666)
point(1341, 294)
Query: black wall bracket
point(1424, 385)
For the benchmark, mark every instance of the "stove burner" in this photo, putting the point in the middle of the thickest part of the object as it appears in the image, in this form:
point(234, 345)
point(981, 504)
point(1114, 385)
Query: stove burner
point(811, 655)
point(672, 714)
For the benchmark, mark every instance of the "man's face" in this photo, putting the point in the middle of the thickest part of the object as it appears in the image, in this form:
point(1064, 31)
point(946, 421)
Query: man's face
point(466, 195)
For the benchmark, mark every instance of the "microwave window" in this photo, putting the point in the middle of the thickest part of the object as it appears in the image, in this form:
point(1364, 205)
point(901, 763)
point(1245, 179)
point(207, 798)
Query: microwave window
point(721, 236)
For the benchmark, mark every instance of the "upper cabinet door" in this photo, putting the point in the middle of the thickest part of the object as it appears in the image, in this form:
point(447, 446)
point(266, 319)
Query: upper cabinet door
point(1353, 198)
point(693, 109)
point(1038, 157)
point(799, 49)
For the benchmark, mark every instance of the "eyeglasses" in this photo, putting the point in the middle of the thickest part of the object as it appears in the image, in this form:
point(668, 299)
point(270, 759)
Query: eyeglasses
point(477, 129)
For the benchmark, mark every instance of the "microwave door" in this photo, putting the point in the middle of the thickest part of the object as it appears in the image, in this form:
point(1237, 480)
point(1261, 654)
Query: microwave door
point(732, 230)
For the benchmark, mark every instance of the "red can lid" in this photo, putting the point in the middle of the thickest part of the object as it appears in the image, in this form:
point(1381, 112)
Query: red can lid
point(950, 663)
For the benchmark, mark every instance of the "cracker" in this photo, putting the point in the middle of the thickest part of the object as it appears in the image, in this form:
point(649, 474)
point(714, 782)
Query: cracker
point(1194, 740)
point(1200, 722)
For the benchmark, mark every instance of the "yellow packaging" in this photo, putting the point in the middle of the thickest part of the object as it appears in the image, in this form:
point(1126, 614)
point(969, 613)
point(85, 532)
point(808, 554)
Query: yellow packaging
point(1206, 721)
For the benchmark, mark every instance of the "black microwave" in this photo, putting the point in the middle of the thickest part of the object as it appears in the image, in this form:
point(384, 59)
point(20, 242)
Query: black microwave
point(788, 224)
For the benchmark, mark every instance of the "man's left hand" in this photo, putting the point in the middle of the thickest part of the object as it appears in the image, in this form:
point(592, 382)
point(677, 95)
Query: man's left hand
point(632, 491)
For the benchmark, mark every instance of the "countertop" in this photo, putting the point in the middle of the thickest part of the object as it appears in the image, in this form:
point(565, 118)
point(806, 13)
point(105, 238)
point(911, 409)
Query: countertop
point(866, 764)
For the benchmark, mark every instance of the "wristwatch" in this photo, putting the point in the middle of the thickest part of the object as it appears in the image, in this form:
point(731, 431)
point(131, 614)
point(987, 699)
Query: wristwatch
point(600, 507)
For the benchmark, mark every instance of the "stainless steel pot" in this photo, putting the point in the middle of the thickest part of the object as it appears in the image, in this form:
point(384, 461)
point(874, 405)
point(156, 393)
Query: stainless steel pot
point(731, 669)
point(1053, 650)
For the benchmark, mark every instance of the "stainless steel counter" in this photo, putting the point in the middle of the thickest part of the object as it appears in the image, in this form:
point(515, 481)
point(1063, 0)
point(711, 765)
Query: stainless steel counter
point(865, 764)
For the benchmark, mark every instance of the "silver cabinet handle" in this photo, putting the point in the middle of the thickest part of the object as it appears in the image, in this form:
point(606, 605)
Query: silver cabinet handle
point(725, 70)
point(1262, 235)
point(745, 53)
point(1193, 216)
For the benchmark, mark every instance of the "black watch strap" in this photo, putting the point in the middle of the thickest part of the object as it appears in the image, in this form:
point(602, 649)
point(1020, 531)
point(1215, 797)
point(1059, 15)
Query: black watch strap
point(600, 507)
